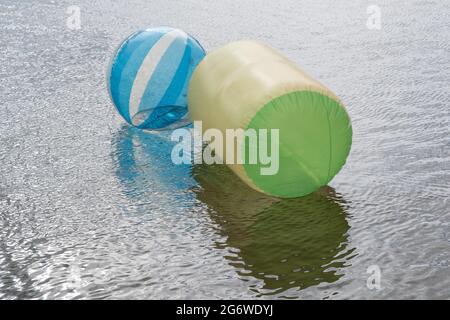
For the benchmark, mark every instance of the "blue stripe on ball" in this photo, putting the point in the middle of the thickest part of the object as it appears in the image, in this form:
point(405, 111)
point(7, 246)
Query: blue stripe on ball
point(125, 66)
point(163, 75)
point(197, 54)
point(171, 98)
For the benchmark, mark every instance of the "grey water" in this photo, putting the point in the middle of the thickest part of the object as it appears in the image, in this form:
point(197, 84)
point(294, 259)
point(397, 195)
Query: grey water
point(92, 209)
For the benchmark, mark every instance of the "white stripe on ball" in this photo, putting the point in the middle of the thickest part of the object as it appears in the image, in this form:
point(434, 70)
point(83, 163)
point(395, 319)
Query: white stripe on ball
point(147, 69)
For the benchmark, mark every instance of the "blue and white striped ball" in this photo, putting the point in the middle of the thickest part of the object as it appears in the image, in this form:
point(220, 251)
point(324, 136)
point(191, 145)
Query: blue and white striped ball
point(149, 76)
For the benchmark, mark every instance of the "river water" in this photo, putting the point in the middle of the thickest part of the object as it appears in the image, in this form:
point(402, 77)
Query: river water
point(90, 208)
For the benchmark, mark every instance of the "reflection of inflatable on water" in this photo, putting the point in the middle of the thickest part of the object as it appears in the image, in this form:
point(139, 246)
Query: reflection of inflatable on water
point(282, 243)
point(143, 163)
point(289, 243)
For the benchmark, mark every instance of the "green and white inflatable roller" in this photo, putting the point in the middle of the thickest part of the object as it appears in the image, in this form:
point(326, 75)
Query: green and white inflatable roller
point(247, 84)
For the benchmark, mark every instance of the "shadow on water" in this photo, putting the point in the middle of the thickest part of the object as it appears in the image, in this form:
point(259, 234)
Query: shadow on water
point(283, 244)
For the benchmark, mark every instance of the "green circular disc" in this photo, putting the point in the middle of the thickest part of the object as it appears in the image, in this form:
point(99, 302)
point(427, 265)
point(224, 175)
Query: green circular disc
point(315, 136)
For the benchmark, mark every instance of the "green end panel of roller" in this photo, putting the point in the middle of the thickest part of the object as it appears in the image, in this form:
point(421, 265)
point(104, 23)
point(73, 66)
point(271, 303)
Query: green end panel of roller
point(315, 137)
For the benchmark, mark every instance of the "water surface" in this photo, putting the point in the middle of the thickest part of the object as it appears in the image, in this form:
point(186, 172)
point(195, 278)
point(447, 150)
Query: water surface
point(90, 208)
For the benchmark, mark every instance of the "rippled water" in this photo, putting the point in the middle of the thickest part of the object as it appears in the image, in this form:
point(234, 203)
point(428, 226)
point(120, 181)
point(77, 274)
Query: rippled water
point(93, 209)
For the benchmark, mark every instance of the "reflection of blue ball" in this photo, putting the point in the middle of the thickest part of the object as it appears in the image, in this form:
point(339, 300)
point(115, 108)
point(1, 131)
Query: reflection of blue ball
point(149, 77)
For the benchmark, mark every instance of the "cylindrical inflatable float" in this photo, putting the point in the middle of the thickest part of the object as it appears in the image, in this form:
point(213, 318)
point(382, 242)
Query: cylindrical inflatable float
point(248, 85)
